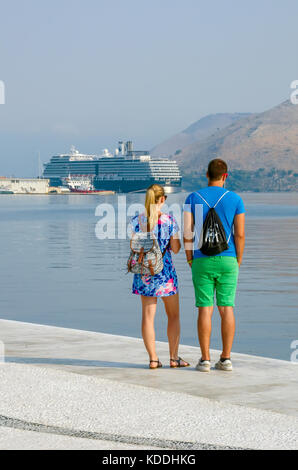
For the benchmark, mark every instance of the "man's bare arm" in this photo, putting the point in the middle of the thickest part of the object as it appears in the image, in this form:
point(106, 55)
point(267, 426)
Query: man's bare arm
point(239, 236)
point(188, 236)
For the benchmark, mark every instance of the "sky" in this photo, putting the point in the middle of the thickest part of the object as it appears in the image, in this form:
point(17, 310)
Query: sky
point(91, 72)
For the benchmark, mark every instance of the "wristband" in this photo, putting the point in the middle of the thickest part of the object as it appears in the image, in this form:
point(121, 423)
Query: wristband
point(190, 261)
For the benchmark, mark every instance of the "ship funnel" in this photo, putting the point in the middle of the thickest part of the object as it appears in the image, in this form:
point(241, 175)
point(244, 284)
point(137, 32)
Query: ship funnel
point(121, 147)
point(129, 146)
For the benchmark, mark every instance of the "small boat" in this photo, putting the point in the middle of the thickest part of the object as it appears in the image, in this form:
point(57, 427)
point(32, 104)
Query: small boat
point(6, 191)
point(80, 184)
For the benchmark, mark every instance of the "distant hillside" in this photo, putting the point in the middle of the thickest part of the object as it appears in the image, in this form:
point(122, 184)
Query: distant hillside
point(266, 140)
point(196, 132)
point(260, 149)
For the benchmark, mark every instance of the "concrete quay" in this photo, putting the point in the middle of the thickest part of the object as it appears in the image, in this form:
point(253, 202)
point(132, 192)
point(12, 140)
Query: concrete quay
point(63, 388)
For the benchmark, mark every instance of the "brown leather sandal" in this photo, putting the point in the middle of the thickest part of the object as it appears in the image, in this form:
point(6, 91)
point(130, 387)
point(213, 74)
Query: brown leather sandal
point(178, 363)
point(159, 364)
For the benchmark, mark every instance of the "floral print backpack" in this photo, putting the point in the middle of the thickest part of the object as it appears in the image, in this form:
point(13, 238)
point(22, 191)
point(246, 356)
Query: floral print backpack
point(145, 256)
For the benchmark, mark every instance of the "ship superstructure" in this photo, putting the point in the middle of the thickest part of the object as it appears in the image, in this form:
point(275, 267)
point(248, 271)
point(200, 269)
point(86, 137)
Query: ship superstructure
point(126, 170)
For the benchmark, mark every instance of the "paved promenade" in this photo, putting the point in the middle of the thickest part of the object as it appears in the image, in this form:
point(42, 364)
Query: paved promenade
point(63, 388)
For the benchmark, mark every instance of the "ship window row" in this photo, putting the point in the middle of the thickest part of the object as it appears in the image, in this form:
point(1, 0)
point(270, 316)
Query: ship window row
point(113, 163)
point(116, 174)
point(122, 173)
point(111, 170)
point(114, 170)
point(105, 167)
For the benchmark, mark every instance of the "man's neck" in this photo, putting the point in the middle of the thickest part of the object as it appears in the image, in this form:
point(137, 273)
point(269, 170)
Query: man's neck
point(220, 184)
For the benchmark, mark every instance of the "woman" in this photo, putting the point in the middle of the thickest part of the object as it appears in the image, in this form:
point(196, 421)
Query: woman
point(164, 284)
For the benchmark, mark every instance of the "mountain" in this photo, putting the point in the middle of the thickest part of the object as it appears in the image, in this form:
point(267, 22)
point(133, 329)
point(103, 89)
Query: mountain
point(196, 132)
point(259, 141)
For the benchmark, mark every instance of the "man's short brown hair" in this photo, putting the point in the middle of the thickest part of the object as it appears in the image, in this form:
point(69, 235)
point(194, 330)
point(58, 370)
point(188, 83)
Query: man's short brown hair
point(216, 169)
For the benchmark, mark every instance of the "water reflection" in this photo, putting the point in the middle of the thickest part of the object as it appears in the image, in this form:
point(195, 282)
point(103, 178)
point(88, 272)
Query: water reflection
point(55, 271)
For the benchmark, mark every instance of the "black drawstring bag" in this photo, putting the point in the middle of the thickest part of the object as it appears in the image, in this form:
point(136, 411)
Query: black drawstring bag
point(213, 237)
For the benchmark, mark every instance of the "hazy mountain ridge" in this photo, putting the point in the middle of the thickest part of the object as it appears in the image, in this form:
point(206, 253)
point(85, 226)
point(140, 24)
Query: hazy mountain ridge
point(261, 150)
point(264, 140)
point(199, 130)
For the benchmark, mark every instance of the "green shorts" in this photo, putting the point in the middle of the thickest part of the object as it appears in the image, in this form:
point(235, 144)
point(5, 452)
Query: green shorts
point(215, 273)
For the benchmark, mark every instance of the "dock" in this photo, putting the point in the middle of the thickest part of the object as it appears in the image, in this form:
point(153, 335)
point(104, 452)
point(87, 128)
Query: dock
point(71, 389)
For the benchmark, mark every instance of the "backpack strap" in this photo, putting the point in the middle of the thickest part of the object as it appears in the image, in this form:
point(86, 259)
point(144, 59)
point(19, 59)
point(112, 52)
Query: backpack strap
point(151, 267)
point(221, 198)
point(216, 202)
point(169, 242)
point(203, 199)
point(141, 224)
point(228, 240)
point(144, 225)
point(141, 255)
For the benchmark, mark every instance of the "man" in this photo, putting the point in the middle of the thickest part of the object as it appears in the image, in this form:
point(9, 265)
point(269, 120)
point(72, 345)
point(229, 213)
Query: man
point(217, 273)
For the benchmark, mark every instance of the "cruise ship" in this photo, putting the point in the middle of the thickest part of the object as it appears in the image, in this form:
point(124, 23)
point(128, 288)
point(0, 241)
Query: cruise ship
point(127, 170)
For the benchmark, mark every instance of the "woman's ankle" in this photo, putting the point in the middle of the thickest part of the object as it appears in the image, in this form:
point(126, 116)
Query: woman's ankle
point(153, 357)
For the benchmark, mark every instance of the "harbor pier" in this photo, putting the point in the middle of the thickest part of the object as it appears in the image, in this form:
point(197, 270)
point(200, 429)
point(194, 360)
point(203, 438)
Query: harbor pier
point(71, 389)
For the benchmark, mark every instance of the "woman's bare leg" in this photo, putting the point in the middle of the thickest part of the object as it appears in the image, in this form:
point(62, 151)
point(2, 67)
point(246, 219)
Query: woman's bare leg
point(172, 310)
point(148, 332)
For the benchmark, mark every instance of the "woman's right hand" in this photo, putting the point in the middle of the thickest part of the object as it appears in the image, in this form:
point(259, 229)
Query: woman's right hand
point(175, 245)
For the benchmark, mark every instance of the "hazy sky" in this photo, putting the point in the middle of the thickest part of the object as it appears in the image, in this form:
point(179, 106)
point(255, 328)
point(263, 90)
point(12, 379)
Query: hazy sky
point(90, 72)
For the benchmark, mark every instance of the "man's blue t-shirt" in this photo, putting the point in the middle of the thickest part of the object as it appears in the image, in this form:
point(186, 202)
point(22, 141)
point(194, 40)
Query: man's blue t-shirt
point(229, 206)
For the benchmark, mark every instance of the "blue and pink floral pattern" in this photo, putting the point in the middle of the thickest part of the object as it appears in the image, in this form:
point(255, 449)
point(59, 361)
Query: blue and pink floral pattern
point(165, 283)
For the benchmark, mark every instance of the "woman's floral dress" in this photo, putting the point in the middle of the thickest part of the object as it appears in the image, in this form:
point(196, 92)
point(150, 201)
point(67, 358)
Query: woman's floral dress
point(165, 283)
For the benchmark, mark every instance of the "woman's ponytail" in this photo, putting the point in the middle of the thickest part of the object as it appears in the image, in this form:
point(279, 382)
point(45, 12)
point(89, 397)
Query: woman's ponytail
point(153, 194)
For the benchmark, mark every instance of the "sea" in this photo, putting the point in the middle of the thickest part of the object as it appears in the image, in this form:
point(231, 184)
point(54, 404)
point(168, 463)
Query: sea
point(63, 263)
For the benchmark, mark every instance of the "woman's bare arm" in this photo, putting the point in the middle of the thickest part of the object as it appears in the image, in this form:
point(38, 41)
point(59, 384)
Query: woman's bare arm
point(175, 244)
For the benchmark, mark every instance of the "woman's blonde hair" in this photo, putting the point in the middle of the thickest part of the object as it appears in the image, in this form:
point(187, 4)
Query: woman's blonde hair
point(153, 194)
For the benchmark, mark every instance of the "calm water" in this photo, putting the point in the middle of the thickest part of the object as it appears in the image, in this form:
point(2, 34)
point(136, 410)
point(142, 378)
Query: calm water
point(55, 271)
